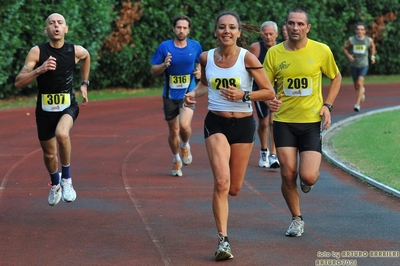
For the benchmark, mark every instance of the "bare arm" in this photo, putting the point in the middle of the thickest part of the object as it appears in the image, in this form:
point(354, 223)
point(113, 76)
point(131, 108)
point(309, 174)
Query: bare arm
point(346, 51)
point(266, 91)
point(255, 49)
point(82, 55)
point(197, 71)
point(158, 69)
point(201, 87)
point(29, 73)
point(334, 88)
point(372, 48)
point(333, 91)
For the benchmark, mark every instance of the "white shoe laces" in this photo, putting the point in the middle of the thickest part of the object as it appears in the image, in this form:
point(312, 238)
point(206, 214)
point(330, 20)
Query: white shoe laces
point(67, 187)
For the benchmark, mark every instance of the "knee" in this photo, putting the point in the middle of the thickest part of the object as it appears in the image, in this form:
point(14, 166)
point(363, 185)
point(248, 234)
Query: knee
point(49, 157)
point(309, 179)
point(263, 124)
point(185, 125)
point(234, 191)
point(174, 132)
point(62, 136)
point(289, 179)
point(184, 130)
point(262, 127)
point(222, 187)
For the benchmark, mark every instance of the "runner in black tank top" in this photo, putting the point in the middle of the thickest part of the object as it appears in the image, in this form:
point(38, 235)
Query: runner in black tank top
point(268, 158)
point(52, 64)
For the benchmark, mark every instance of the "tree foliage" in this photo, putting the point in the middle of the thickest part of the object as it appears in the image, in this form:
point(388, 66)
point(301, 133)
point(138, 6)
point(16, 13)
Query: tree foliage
point(122, 36)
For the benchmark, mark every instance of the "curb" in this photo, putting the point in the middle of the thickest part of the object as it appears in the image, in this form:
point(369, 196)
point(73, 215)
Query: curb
point(329, 153)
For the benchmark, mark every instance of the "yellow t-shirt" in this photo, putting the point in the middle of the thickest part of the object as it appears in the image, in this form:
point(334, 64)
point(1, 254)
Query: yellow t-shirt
point(299, 76)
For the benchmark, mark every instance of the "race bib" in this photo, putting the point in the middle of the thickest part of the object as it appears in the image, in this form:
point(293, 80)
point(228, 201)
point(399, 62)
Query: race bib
point(55, 102)
point(359, 49)
point(218, 83)
point(179, 82)
point(297, 86)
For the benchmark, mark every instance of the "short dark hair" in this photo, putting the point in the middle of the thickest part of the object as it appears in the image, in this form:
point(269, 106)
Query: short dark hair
point(360, 24)
point(299, 10)
point(181, 17)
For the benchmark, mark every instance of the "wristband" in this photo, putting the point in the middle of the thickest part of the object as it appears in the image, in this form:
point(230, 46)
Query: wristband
point(372, 57)
point(330, 106)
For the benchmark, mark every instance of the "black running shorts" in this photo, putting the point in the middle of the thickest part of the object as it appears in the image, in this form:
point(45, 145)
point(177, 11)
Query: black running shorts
point(46, 122)
point(303, 136)
point(171, 108)
point(236, 130)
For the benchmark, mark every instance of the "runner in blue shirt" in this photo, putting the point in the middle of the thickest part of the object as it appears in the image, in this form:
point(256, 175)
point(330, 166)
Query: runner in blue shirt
point(178, 59)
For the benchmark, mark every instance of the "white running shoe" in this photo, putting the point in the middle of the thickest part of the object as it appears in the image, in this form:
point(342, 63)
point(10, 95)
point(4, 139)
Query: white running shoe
point(54, 195)
point(68, 192)
point(264, 159)
point(273, 161)
point(177, 168)
point(187, 157)
point(357, 107)
point(223, 251)
point(296, 228)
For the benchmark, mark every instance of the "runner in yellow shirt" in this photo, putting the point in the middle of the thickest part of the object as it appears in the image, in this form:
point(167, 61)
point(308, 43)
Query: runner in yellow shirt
point(298, 64)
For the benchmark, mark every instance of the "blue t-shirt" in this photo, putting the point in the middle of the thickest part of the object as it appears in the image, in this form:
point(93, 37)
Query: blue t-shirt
point(178, 77)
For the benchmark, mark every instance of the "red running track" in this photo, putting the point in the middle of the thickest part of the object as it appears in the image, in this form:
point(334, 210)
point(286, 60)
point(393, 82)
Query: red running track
point(130, 211)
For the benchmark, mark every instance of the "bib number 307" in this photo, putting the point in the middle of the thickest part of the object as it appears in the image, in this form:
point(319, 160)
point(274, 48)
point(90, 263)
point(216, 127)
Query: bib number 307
point(55, 102)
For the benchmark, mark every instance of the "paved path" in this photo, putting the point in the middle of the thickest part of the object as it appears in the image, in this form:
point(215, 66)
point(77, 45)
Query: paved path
point(130, 211)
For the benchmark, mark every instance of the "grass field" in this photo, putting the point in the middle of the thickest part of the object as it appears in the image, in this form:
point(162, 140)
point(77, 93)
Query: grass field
point(371, 146)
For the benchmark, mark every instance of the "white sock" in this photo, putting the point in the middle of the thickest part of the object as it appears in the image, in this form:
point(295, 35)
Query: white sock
point(177, 157)
point(184, 144)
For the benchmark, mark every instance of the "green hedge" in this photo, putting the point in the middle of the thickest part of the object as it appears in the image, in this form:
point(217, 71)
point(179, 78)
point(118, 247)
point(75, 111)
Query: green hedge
point(92, 22)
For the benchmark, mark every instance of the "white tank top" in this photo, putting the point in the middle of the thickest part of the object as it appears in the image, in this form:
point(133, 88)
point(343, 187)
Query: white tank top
point(217, 77)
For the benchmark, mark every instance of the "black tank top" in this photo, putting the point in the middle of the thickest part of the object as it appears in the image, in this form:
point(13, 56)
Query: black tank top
point(263, 52)
point(261, 56)
point(62, 78)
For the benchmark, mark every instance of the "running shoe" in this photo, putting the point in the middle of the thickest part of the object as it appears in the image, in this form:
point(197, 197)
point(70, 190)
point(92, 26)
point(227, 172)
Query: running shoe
point(273, 161)
point(296, 228)
point(186, 155)
point(55, 194)
point(357, 107)
point(263, 162)
point(68, 191)
point(223, 251)
point(177, 168)
point(305, 188)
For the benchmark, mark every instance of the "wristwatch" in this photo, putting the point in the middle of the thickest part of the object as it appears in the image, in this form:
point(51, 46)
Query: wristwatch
point(246, 96)
point(330, 106)
point(85, 82)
